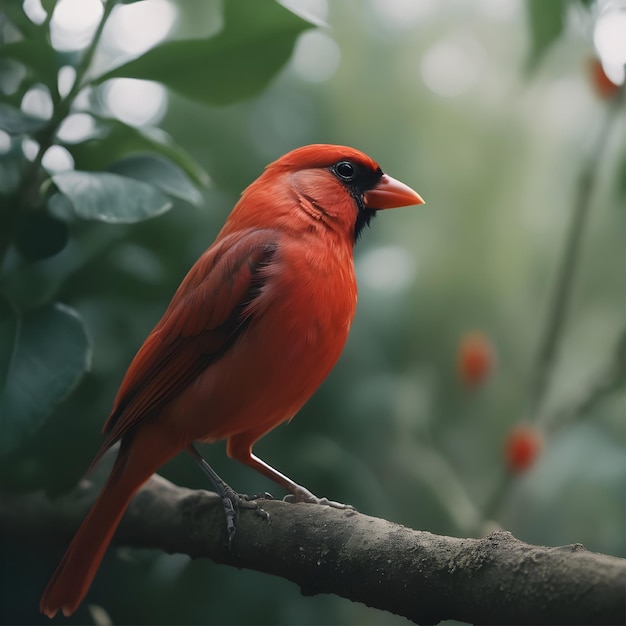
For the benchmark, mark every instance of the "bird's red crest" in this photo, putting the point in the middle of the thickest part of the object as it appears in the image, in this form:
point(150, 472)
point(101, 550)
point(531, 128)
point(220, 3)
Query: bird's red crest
point(321, 155)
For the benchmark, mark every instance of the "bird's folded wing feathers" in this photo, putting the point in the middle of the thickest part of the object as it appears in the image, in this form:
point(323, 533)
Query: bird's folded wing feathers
point(205, 317)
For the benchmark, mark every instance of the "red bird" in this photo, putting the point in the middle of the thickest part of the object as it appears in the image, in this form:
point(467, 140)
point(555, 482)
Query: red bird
point(252, 331)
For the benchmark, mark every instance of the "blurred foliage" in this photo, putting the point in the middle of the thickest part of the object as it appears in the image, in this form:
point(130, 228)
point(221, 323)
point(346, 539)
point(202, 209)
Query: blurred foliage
point(234, 64)
point(134, 188)
point(546, 23)
point(440, 94)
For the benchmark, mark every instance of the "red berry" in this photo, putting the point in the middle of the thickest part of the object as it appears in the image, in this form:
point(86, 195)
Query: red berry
point(476, 358)
point(603, 85)
point(522, 447)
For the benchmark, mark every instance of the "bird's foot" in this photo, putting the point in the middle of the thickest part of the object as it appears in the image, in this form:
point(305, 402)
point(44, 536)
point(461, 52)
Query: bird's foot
point(250, 502)
point(230, 504)
point(301, 494)
point(233, 502)
point(257, 496)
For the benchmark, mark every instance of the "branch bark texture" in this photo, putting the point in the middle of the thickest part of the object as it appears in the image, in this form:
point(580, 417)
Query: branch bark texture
point(425, 577)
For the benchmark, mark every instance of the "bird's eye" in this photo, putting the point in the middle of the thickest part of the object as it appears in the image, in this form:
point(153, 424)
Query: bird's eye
point(345, 170)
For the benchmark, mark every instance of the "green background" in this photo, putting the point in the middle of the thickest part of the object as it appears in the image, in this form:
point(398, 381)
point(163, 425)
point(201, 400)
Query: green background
point(394, 430)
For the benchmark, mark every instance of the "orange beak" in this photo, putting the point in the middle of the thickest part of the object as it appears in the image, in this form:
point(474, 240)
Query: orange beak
point(390, 193)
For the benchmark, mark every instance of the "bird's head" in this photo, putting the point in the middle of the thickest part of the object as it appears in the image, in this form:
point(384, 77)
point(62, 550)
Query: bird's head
point(334, 185)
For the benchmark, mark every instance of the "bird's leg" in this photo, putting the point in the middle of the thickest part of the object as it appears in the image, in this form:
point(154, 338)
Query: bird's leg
point(240, 448)
point(231, 500)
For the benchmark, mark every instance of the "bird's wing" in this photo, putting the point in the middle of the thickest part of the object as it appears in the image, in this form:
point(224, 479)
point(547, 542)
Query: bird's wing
point(205, 317)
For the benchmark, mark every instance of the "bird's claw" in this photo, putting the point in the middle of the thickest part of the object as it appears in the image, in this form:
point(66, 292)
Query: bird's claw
point(257, 496)
point(262, 513)
point(229, 503)
point(304, 495)
point(233, 502)
point(250, 502)
point(335, 505)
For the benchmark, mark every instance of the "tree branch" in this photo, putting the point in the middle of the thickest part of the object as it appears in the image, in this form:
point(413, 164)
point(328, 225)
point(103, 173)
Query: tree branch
point(422, 576)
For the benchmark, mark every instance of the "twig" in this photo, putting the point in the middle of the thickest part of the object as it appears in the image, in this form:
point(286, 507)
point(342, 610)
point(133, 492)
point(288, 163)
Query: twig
point(610, 378)
point(558, 309)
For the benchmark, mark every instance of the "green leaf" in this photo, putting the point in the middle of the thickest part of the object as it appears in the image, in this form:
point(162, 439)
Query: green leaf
point(39, 235)
point(9, 329)
point(16, 122)
point(14, 12)
point(110, 198)
point(159, 172)
point(49, 5)
point(36, 54)
point(48, 352)
point(257, 40)
point(11, 167)
point(14, 81)
point(546, 20)
point(117, 140)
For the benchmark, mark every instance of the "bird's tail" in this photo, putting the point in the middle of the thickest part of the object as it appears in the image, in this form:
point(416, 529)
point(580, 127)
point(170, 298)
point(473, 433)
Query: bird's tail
point(73, 576)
